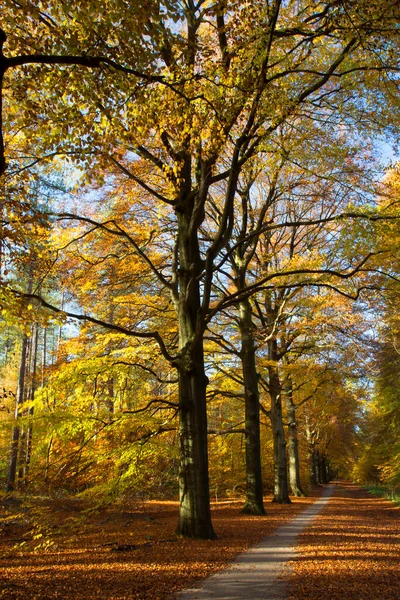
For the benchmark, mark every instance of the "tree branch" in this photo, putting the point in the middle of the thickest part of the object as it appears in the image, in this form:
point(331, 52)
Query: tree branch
point(110, 326)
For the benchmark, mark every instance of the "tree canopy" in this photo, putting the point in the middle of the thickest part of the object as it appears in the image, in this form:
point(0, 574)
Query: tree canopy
point(197, 186)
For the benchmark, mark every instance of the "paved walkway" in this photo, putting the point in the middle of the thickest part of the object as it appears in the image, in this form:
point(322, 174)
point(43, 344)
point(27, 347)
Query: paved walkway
point(255, 575)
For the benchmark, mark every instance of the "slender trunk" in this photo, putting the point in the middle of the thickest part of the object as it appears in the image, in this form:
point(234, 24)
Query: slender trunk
point(6, 346)
point(293, 443)
point(12, 469)
point(16, 435)
point(312, 464)
point(60, 331)
point(53, 346)
point(313, 467)
point(110, 401)
point(21, 457)
point(24, 431)
point(254, 492)
point(281, 494)
point(194, 493)
point(329, 471)
point(323, 477)
point(48, 454)
point(29, 432)
point(44, 354)
point(320, 469)
point(317, 466)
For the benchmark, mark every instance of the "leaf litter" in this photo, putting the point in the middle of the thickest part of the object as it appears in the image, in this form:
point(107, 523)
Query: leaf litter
point(351, 551)
point(57, 549)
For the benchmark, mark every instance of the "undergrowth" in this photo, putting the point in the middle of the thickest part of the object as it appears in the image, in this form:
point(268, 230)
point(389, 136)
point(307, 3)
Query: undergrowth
point(385, 492)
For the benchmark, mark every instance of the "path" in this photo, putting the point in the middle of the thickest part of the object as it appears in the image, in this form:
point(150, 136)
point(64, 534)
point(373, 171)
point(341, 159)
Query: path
point(256, 573)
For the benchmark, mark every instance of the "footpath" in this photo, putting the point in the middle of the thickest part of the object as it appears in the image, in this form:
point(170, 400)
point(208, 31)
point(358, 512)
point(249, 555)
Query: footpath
point(256, 574)
point(351, 551)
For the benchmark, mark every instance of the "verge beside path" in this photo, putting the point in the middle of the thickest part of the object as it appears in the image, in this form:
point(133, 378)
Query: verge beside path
point(256, 573)
point(351, 551)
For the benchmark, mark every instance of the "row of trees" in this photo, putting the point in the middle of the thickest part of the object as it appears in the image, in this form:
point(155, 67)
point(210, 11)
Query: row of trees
point(229, 218)
point(378, 451)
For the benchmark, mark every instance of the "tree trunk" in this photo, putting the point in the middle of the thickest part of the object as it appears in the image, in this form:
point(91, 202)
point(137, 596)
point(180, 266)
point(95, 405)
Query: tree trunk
point(29, 432)
point(323, 470)
point(12, 469)
point(281, 494)
point(48, 453)
point(110, 400)
point(329, 471)
point(194, 493)
point(44, 354)
point(254, 492)
point(293, 443)
point(312, 459)
point(313, 467)
point(317, 467)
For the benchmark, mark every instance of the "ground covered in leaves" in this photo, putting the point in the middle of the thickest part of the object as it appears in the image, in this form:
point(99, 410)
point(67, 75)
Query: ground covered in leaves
point(57, 549)
point(351, 551)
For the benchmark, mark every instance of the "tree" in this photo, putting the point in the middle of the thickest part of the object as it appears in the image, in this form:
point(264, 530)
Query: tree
point(378, 451)
point(202, 92)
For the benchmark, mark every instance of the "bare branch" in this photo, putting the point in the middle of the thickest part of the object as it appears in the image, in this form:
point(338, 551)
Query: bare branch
point(140, 366)
point(154, 335)
point(140, 182)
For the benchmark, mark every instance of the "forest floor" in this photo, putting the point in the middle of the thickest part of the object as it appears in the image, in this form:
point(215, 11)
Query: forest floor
point(57, 549)
point(350, 551)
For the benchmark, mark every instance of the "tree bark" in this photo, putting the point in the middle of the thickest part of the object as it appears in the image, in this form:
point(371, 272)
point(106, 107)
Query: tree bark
point(194, 493)
point(313, 467)
point(33, 387)
point(312, 463)
point(48, 453)
point(293, 443)
point(254, 491)
point(323, 472)
point(194, 497)
point(281, 494)
point(12, 469)
point(317, 466)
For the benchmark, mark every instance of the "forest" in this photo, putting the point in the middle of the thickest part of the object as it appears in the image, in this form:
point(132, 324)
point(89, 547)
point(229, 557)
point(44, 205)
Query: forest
point(199, 250)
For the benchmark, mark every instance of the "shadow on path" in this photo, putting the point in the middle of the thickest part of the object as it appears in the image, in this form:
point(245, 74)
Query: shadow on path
point(256, 573)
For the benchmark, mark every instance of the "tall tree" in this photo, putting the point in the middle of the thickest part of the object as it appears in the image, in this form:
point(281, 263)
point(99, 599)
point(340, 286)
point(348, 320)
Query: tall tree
point(185, 94)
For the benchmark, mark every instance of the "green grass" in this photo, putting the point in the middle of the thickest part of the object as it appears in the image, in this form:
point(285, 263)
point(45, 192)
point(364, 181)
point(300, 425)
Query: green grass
point(385, 492)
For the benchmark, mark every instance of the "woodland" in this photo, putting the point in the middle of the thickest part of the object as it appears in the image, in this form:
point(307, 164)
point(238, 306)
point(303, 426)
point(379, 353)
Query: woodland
point(199, 251)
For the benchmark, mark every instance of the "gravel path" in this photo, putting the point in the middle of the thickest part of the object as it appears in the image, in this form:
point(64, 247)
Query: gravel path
point(256, 574)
